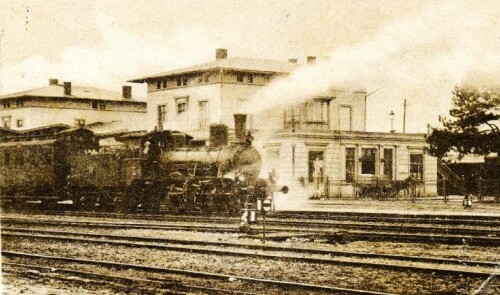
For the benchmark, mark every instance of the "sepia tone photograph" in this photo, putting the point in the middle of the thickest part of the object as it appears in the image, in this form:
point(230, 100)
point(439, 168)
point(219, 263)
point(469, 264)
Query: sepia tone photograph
point(250, 147)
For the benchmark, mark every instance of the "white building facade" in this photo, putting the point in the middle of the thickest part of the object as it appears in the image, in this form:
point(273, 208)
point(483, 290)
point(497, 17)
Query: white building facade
point(72, 105)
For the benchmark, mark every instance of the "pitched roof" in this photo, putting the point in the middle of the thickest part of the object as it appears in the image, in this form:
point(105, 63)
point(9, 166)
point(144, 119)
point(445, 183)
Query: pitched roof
point(77, 92)
point(234, 63)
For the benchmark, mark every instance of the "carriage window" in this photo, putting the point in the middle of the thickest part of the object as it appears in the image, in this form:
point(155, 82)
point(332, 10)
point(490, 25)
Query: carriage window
point(350, 157)
point(416, 165)
point(368, 160)
point(6, 158)
point(19, 159)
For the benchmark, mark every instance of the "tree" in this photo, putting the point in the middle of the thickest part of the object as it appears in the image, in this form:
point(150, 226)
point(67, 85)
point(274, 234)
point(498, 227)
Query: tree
point(474, 126)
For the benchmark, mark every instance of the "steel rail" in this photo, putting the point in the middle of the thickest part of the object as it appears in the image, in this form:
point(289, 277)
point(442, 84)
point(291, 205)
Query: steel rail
point(227, 252)
point(103, 278)
point(199, 274)
point(399, 228)
point(370, 235)
point(262, 247)
point(475, 220)
point(360, 226)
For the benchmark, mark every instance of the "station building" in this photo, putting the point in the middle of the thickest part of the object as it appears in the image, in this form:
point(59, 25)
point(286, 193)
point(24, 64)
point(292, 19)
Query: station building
point(323, 142)
point(77, 106)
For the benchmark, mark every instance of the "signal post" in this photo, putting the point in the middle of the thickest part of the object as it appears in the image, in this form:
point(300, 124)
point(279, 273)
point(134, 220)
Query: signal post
point(264, 206)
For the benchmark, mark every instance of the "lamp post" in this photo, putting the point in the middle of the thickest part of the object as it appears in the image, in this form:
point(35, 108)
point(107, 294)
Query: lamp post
point(391, 114)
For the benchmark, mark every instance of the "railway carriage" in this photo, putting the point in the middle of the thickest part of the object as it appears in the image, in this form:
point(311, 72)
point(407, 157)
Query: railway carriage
point(38, 169)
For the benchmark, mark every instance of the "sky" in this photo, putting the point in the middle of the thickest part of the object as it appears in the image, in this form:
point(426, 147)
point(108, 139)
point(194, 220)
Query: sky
point(413, 50)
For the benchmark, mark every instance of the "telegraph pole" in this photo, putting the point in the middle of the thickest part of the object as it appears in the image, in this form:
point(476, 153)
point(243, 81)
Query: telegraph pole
point(404, 117)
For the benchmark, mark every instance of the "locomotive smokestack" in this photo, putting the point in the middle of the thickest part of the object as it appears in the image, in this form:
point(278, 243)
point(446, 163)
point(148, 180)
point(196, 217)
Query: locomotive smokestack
point(240, 122)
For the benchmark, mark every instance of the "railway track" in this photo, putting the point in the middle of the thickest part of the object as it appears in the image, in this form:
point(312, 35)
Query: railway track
point(353, 231)
point(385, 261)
point(487, 221)
point(487, 227)
point(285, 285)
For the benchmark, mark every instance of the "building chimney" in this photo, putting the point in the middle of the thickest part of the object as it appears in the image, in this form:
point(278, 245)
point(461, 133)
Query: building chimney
point(67, 88)
point(292, 60)
point(127, 91)
point(53, 82)
point(311, 59)
point(220, 53)
point(240, 122)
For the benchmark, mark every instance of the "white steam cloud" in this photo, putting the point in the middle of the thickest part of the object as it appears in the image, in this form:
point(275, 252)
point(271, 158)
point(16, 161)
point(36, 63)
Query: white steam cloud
point(119, 57)
point(420, 58)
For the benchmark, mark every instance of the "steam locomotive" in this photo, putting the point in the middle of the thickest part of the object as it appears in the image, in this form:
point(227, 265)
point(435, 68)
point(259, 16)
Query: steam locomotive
point(159, 170)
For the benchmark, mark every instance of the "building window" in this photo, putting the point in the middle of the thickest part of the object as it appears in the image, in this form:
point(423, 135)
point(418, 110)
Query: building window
point(164, 83)
point(98, 105)
point(6, 104)
point(20, 123)
point(388, 160)
point(162, 116)
point(6, 121)
point(158, 84)
point(203, 78)
point(182, 81)
point(350, 162)
point(203, 114)
point(19, 103)
point(239, 77)
point(315, 166)
point(182, 104)
point(317, 111)
point(345, 118)
point(80, 122)
point(416, 166)
point(250, 78)
point(368, 160)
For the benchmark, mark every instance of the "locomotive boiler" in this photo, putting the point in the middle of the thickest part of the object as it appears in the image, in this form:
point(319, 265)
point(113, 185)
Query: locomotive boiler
point(220, 177)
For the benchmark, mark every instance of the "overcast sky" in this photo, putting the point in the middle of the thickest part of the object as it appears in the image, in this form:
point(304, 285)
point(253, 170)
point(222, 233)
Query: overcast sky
point(105, 43)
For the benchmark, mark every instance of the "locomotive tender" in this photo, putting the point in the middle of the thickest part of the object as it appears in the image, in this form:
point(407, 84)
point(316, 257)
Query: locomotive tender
point(163, 171)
